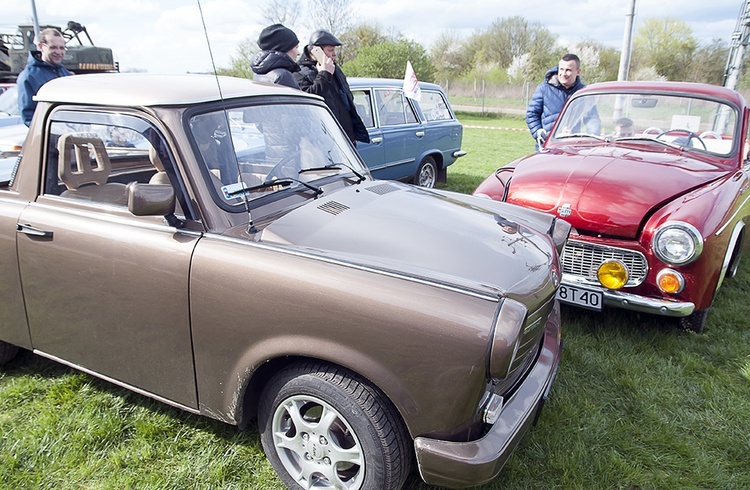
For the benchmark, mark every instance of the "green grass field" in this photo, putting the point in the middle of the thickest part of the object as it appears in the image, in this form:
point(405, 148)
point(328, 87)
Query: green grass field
point(637, 404)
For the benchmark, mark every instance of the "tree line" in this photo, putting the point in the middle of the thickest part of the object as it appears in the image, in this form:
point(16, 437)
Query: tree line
point(508, 50)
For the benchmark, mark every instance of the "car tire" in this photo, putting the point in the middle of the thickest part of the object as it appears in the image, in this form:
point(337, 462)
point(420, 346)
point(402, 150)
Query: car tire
point(324, 426)
point(694, 322)
point(427, 173)
point(7, 352)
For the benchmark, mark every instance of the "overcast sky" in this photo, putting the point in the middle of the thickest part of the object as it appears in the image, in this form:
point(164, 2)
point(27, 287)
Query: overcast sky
point(167, 36)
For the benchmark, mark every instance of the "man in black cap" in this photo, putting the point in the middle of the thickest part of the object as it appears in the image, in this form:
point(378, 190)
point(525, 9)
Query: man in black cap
point(275, 63)
point(320, 75)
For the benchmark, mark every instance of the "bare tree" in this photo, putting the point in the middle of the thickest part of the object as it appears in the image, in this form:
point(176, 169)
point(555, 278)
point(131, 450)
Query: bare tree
point(282, 12)
point(334, 16)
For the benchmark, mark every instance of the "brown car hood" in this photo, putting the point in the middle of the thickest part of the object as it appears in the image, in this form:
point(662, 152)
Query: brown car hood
point(439, 236)
point(607, 190)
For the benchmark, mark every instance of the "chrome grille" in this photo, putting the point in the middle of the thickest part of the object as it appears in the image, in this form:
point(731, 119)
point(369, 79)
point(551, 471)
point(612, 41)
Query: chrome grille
point(583, 260)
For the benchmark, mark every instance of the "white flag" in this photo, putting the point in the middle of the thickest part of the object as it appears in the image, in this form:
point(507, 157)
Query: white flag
point(411, 84)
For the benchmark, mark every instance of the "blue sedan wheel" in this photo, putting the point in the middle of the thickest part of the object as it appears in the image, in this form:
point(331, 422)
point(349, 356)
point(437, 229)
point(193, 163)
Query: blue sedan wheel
point(427, 173)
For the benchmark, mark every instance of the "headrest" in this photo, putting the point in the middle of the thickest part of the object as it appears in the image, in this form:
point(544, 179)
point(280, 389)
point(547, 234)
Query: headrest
point(84, 172)
point(153, 155)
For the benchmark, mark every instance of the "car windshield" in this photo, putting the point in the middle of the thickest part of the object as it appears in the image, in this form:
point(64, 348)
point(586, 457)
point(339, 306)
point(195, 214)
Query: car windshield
point(679, 121)
point(246, 149)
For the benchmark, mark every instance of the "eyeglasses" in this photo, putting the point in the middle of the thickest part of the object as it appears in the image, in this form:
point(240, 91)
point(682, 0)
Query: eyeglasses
point(55, 48)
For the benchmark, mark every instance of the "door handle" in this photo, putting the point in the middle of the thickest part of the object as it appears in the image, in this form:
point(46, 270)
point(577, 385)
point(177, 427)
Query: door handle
point(376, 141)
point(419, 134)
point(30, 230)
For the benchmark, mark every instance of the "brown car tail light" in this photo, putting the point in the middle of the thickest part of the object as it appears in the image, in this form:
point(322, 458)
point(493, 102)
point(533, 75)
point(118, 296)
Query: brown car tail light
point(670, 281)
point(612, 274)
point(506, 338)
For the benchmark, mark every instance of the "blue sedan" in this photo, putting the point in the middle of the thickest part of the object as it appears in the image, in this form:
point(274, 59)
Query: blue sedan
point(410, 140)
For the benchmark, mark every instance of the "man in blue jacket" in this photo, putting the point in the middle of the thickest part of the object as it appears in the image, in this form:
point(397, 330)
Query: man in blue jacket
point(43, 65)
point(549, 97)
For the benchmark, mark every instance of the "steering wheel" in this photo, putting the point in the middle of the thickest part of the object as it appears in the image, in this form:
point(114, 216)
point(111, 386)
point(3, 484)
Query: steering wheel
point(653, 129)
point(279, 171)
point(711, 134)
point(690, 136)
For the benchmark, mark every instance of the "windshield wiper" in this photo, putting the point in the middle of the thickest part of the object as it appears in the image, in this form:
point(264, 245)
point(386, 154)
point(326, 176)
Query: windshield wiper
point(234, 190)
point(580, 135)
point(319, 169)
point(652, 140)
point(333, 166)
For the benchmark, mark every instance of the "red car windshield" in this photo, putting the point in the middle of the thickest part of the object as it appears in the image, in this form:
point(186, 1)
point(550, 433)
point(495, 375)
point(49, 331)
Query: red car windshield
point(678, 120)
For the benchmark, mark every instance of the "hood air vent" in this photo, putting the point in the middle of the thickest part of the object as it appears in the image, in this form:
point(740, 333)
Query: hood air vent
point(333, 207)
point(383, 188)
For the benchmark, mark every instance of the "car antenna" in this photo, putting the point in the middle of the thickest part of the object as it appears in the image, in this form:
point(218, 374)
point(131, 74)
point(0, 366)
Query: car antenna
point(251, 229)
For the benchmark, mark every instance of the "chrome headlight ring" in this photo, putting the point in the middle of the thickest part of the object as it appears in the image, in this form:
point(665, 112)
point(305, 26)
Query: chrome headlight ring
point(677, 243)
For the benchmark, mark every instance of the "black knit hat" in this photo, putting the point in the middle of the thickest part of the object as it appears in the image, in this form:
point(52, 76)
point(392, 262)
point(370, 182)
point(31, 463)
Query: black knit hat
point(277, 38)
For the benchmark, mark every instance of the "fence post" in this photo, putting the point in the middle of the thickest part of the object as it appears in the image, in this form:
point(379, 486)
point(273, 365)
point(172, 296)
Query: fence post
point(483, 96)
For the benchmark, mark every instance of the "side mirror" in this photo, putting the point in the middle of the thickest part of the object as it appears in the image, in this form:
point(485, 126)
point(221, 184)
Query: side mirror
point(150, 199)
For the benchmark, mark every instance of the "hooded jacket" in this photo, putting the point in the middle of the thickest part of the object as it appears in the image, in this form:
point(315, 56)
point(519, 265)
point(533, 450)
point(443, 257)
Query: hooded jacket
point(335, 91)
point(547, 102)
point(30, 80)
point(274, 67)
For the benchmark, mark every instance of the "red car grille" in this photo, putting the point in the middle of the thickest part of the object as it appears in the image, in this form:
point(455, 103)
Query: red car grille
point(583, 260)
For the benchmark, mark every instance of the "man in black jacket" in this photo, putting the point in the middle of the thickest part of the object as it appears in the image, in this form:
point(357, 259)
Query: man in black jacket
point(274, 63)
point(315, 77)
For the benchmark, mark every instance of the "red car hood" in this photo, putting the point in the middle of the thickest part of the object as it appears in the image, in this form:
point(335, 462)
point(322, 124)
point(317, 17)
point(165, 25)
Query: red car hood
point(606, 190)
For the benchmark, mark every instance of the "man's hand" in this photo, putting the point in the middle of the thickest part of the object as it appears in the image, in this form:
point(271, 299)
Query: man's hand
point(541, 135)
point(327, 64)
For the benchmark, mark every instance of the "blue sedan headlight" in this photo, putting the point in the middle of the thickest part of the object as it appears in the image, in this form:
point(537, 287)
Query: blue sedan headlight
point(677, 243)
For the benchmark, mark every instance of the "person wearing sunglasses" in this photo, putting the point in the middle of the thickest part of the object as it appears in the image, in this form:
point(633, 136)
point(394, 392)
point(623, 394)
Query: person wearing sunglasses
point(43, 65)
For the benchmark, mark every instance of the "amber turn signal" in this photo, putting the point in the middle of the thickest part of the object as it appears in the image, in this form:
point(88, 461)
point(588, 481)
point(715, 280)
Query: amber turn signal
point(670, 281)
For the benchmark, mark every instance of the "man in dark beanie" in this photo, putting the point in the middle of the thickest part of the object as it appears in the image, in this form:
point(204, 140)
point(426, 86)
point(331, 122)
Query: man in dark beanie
point(320, 75)
point(275, 63)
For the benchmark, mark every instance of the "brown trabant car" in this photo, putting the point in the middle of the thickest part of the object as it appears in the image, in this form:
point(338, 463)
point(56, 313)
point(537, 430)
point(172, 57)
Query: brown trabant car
point(227, 252)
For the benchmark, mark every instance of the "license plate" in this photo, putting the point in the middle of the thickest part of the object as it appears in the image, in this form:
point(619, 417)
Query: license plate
point(585, 298)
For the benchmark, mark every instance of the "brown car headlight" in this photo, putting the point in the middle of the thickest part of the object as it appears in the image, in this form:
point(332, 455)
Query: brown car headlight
point(506, 337)
point(677, 243)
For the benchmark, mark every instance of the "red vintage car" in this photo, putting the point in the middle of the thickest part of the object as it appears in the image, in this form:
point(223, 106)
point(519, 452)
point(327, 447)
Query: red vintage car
point(653, 176)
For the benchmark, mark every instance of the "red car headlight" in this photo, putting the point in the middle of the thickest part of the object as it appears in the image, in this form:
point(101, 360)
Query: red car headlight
point(677, 243)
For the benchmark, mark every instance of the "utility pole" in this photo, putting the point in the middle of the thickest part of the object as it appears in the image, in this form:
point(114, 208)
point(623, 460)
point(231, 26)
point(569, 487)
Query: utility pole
point(627, 43)
point(36, 21)
point(737, 48)
point(627, 48)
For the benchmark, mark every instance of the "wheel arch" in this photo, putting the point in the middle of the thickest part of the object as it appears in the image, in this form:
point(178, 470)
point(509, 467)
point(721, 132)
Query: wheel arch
point(441, 171)
point(251, 389)
point(733, 254)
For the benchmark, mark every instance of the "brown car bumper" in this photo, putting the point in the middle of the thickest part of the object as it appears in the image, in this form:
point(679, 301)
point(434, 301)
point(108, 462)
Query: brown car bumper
point(462, 464)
